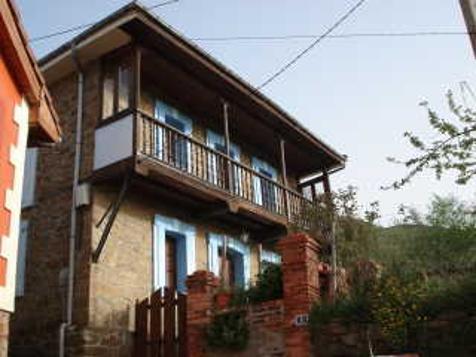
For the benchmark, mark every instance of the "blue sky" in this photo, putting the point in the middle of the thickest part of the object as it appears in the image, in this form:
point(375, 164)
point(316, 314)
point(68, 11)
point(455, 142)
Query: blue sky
point(359, 95)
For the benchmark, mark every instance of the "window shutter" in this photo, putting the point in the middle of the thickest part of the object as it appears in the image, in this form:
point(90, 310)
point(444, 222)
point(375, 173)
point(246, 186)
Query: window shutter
point(29, 178)
point(21, 259)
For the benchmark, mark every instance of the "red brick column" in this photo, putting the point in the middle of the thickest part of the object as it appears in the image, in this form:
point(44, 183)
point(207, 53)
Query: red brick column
point(300, 265)
point(201, 287)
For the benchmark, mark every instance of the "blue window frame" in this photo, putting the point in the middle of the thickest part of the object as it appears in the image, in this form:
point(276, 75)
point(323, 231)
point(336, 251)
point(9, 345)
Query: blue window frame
point(239, 252)
point(178, 152)
point(269, 257)
point(217, 142)
point(264, 191)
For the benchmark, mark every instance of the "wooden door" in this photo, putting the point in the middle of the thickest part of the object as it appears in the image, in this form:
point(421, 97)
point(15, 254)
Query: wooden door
point(171, 263)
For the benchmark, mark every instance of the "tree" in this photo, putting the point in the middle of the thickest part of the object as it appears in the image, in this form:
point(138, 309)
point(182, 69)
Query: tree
point(453, 150)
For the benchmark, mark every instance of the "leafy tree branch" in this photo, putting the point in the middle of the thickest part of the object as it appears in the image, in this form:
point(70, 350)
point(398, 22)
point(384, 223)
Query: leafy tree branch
point(454, 150)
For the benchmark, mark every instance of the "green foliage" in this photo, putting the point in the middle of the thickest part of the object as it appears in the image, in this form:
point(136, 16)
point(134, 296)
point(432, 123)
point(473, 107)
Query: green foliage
point(440, 244)
point(269, 285)
point(454, 150)
point(228, 331)
point(428, 265)
point(396, 306)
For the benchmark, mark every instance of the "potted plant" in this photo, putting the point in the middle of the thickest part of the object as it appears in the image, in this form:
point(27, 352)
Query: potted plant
point(223, 297)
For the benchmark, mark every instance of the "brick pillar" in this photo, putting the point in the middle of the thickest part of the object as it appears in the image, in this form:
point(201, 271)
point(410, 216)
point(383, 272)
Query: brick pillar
point(201, 287)
point(4, 328)
point(300, 266)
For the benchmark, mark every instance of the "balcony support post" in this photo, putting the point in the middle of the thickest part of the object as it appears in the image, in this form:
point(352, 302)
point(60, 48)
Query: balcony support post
point(137, 76)
point(226, 129)
point(282, 147)
point(333, 276)
point(136, 94)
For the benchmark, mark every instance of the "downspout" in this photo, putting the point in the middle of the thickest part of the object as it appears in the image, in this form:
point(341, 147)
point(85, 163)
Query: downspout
point(72, 236)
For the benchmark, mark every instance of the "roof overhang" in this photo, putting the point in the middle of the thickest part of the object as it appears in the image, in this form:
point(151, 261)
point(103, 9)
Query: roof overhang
point(43, 120)
point(135, 23)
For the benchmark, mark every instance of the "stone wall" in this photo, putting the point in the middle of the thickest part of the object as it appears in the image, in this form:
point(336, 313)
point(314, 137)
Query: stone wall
point(124, 271)
point(4, 328)
point(39, 313)
point(452, 333)
point(265, 321)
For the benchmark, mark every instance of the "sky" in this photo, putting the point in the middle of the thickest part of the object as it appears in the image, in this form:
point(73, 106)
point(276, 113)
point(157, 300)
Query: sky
point(359, 95)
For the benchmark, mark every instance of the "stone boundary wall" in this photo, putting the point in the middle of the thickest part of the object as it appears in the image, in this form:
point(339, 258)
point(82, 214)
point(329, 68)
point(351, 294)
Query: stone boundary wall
point(451, 333)
point(265, 322)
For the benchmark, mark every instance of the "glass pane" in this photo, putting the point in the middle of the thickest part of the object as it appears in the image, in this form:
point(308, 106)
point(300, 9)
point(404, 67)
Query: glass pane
point(108, 96)
point(124, 88)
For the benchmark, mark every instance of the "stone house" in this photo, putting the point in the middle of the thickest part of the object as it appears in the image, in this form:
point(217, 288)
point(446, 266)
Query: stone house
point(170, 163)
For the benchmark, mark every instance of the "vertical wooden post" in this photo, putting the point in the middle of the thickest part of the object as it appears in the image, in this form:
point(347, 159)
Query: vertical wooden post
point(313, 192)
point(136, 97)
point(282, 149)
point(333, 275)
point(226, 130)
point(325, 182)
point(137, 76)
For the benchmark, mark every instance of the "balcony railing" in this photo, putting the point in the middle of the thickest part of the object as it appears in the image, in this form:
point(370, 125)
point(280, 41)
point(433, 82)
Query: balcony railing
point(164, 143)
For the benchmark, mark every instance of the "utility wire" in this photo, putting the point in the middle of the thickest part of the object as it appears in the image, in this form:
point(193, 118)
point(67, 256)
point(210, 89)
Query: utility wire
point(312, 45)
point(344, 35)
point(79, 27)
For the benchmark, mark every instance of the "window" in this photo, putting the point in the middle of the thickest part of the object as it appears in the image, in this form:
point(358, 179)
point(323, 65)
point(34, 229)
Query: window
point(29, 178)
point(216, 167)
point(21, 259)
point(173, 148)
point(268, 258)
point(116, 93)
point(108, 96)
point(265, 190)
point(237, 263)
point(124, 90)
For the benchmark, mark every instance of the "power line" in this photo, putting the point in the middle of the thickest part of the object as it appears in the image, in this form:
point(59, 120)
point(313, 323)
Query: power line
point(80, 27)
point(344, 35)
point(312, 45)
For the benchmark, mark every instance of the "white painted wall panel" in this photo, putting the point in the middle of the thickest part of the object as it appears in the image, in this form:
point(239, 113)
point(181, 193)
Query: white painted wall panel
point(113, 142)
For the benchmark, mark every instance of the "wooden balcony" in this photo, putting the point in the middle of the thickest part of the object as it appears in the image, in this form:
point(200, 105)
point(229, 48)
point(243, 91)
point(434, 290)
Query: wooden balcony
point(181, 163)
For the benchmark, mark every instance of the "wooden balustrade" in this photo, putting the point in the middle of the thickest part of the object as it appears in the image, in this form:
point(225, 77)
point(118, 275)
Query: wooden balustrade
point(162, 142)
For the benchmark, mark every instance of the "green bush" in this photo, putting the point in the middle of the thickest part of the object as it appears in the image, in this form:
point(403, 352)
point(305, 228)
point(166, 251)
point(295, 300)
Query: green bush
point(269, 285)
point(228, 331)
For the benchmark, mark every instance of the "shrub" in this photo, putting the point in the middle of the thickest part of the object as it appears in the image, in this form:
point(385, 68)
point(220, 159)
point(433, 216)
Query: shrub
point(228, 331)
point(269, 285)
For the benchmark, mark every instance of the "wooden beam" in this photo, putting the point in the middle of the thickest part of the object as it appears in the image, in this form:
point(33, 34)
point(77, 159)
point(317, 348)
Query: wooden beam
point(313, 192)
point(282, 148)
point(137, 75)
point(112, 217)
point(326, 182)
point(226, 128)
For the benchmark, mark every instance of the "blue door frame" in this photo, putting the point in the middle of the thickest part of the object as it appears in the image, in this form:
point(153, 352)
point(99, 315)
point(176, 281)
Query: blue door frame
point(185, 236)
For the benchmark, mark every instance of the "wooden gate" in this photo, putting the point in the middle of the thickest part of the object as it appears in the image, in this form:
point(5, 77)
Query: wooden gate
point(161, 325)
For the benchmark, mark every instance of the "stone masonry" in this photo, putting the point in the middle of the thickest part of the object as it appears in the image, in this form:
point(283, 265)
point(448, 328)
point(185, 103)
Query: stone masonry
point(4, 327)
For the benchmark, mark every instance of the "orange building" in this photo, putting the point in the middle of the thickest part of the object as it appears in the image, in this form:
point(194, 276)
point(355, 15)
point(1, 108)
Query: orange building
point(27, 118)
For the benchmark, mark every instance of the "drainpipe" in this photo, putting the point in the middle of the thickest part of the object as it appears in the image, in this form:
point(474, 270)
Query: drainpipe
point(72, 237)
